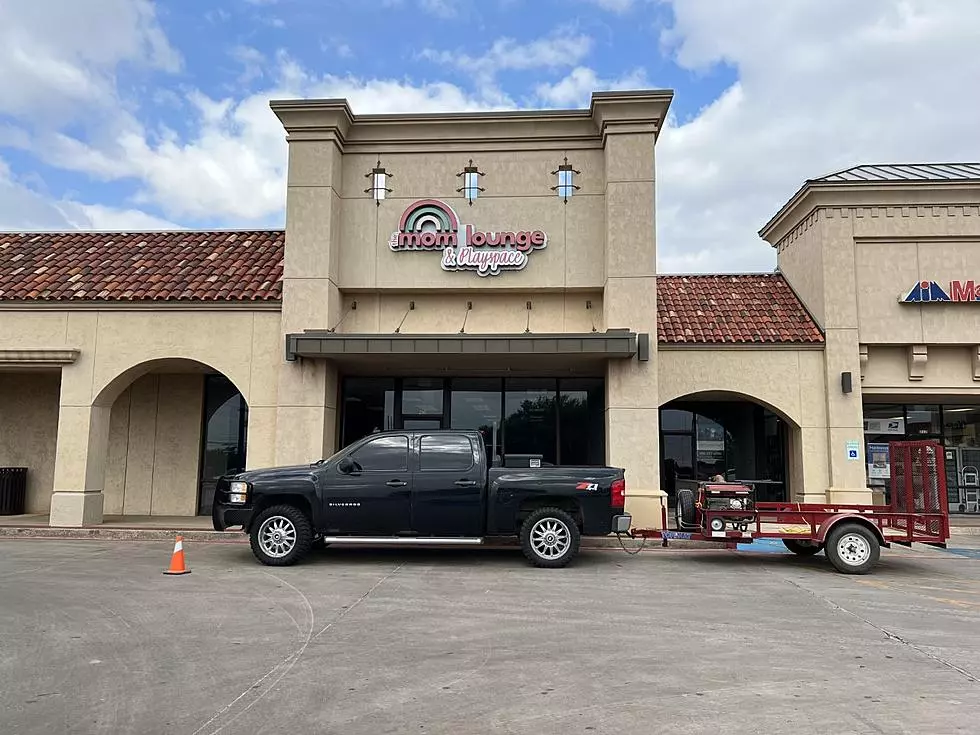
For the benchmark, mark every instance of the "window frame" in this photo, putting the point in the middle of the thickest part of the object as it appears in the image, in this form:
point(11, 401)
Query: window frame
point(373, 439)
point(421, 454)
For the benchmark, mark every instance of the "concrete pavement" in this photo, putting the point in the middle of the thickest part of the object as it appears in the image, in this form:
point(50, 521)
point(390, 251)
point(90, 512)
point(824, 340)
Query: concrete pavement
point(94, 639)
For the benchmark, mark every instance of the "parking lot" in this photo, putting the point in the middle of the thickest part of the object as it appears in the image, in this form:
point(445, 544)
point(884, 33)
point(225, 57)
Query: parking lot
point(93, 638)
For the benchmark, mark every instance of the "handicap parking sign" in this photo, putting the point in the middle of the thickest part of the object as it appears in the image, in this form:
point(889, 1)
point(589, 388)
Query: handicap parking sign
point(853, 450)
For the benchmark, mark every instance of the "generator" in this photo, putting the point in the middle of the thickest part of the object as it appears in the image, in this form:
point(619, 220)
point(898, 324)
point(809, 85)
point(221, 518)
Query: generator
point(738, 498)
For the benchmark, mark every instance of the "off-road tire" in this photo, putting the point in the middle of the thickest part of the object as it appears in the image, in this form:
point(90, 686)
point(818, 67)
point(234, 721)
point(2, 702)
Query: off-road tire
point(802, 548)
point(303, 531)
point(857, 563)
point(684, 511)
point(563, 523)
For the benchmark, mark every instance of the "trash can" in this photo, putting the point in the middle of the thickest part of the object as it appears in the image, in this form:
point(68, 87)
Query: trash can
point(13, 490)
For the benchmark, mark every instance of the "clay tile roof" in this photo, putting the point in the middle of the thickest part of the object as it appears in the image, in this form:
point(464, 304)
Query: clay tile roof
point(733, 309)
point(141, 266)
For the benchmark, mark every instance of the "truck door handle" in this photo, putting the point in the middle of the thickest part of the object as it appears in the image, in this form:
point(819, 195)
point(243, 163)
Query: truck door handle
point(396, 483)
point(465, 483)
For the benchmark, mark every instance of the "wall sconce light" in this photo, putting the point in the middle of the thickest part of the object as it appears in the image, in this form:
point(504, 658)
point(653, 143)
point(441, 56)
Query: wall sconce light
point(566, 180)
point(379, 179)
point(845, 383)
point(471, 182)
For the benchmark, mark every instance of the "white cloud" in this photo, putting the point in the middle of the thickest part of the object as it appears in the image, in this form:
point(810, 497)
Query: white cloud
point(561, 49)
point(24, 208)
point(577, 87)
point(822, 85)
point(440, 8)
point(58, 57)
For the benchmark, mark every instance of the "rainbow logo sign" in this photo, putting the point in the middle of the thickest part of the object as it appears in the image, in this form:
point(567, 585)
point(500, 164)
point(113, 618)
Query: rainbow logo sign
point(431, 224)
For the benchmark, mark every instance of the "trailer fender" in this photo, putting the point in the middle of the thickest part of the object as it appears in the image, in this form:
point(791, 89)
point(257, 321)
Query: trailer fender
point(824, 530)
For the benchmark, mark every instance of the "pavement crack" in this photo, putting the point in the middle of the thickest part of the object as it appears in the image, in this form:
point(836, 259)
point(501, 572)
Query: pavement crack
point(357, 602)
point(970, 676)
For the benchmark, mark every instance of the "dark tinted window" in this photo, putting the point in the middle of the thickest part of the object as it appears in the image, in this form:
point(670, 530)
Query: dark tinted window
point(384, 453)
point(446, 453)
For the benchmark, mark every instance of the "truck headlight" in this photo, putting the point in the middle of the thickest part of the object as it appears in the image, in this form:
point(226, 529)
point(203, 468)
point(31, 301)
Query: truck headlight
point(238, 492)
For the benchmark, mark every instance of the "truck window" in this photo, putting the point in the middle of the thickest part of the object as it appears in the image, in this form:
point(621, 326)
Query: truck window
point(386, 453)
point(445, 453)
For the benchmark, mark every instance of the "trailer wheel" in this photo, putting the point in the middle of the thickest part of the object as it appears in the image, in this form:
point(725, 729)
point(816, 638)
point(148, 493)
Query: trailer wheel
point(550, 538)
point(802, 547)
point(684, 510)
point(852, 548)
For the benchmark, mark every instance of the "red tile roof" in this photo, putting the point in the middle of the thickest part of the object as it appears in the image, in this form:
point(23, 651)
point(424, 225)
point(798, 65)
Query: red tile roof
point(141, 266)
point(247, 266)
point(733, 309)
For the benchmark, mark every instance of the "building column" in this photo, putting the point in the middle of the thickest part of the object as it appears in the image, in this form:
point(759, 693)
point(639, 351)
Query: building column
point(79, 466)
point(629, 301)
point(845, 414)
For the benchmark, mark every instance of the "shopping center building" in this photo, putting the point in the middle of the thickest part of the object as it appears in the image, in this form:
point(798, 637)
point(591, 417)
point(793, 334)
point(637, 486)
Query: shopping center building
point(496, 271)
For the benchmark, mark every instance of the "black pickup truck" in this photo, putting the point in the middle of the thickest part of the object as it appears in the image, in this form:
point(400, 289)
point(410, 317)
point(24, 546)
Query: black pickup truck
point(433, 488)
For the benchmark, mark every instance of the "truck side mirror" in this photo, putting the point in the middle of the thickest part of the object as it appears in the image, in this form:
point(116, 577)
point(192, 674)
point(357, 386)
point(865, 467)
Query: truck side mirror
point(346, 466)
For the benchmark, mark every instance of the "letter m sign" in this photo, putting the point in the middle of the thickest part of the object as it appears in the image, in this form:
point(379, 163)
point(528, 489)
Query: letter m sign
point(963, 291)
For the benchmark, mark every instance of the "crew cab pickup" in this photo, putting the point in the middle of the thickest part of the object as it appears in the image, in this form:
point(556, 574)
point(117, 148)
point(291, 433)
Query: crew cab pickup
point(433, 488)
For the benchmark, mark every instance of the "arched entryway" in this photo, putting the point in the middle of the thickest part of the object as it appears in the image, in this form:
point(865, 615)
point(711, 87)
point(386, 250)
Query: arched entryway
point(711, 434)
point(175, 427)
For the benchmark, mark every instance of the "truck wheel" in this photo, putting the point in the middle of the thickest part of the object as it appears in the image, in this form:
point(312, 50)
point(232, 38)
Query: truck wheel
point(550, 538)
point(281, 536)
point(802, 547)
point(852, 548)
point(685, 508)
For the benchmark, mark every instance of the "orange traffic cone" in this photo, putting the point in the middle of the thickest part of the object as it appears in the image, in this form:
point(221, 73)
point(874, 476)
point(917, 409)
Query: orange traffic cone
point(177, 560)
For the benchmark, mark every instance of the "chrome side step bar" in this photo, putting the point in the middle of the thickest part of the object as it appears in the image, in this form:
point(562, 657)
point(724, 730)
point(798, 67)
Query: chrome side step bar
point(401, 541)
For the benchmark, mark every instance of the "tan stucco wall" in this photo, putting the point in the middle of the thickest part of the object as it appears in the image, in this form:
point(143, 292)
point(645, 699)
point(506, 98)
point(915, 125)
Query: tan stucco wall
point(154, 446)
point(28, 431)
point(117, 346)
point(949, 372)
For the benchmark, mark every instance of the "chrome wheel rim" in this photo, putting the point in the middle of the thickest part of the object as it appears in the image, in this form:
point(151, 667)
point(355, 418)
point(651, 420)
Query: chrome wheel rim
point(853, 549)
point(550, 538)
point(277, 536)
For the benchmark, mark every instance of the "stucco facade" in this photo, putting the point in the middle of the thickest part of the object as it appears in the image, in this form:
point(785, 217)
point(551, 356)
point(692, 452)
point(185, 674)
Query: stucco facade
point(361, 300)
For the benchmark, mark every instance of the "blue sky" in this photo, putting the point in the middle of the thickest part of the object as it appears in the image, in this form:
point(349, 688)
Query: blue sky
point(125, 114)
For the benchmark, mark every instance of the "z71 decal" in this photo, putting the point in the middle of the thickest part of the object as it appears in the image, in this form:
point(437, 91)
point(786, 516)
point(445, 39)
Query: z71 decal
point(589, 487)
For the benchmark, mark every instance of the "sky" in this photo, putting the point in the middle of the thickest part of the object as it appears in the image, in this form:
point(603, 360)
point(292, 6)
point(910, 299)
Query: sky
point(135, 114)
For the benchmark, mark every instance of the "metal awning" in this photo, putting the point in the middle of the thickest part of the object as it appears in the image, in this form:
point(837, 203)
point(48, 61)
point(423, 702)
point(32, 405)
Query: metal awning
point(622, 344)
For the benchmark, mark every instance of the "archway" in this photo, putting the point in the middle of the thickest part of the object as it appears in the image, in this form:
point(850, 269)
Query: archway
point(724, 434)
point(175, 426)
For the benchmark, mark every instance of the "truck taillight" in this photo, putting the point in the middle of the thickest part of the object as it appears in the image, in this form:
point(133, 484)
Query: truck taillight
point(618, 494)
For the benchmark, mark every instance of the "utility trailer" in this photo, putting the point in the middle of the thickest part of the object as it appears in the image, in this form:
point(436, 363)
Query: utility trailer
point(850, 535)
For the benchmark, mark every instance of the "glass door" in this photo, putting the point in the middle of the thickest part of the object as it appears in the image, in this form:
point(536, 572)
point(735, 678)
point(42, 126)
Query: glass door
point(423, 403)
point(223, 436)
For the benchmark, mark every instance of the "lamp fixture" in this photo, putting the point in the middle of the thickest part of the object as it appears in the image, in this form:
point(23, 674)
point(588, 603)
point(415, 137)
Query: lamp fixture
point(379, 179)
point(566, 180)
point(471, 182)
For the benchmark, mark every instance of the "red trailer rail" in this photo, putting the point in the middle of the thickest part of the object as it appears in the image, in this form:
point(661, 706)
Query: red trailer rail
point(850, 535)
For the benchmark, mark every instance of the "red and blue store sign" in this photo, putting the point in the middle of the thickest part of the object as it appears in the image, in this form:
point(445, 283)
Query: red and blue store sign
point(931, 292)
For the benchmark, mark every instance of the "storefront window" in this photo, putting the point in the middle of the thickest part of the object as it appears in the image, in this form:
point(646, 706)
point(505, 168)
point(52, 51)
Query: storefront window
point(368, 407)
point(530, 418)
point(923, 422)
point(476, 404)
point(961, 437)
point(563, 421)
point(581, 426)
point(957, 427)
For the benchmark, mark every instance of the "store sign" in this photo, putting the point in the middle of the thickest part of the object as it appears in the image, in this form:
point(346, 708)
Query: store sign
point(885, 426)
point(433, 225)
point(931, 292)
